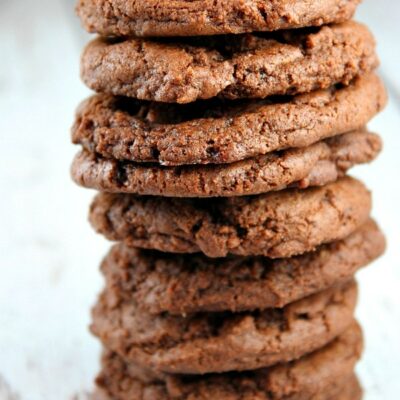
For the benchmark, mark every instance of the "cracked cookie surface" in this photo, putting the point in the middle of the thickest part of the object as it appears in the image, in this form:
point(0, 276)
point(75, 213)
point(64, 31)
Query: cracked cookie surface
point(316, 165)
point(219, 342)
point(277, 224)
point(326, 374)
point(207, 17)
point(233, 67)
point(217, 131)
point(184, 284)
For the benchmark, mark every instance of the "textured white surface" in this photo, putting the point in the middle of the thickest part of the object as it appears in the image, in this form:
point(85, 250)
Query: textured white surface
point(49, 254)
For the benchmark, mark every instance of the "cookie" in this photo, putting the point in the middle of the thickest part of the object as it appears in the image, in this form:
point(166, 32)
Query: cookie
point(208, 17)
point(349, 389)
point(313, 377)
point(182, 284)
point(315, 165)
point(220, 342)
point(217, 131)
point(233, 67)
point(277, 224)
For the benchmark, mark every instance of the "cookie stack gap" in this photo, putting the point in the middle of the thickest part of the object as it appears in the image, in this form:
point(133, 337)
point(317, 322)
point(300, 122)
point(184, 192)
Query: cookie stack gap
point(220, 139)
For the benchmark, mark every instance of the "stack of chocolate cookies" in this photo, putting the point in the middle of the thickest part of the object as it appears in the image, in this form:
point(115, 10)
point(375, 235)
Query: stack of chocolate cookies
point(220, 141)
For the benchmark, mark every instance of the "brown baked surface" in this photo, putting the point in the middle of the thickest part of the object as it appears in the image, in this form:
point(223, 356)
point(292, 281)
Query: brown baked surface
point(208, 17)
point(326, 374)
point(233, 67)
point(184, 284)
point(219, 342)
point(349, 389)
point(277, 224)
point(316, 165)
point(217, 131)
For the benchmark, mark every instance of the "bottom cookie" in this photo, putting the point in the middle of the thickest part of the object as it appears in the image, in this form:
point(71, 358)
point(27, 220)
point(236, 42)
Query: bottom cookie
point(326, 374)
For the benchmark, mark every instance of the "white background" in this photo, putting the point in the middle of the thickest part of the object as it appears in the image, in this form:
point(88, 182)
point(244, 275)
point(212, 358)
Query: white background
point(49, 254)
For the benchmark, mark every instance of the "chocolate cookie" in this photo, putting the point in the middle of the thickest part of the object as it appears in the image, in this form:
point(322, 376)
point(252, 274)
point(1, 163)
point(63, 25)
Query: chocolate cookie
point(277, 224)
point(349, 389)
point(245, 66)
point(184, 284)
point(219, 342)
point(315, 165)
point(208, 17)
point(313, 377)
point(217, 131)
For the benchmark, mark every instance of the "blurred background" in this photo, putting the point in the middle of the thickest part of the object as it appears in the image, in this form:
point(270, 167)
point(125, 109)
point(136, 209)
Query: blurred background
point(50, 256)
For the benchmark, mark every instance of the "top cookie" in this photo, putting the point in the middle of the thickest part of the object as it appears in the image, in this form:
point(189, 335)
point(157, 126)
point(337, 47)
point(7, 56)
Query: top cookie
point(233, 67)
point(207, 17)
